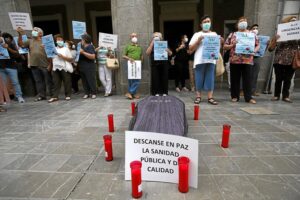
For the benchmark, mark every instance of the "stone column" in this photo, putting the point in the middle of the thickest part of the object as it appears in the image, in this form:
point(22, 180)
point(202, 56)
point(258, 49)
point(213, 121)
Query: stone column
point(264, 13)
point(132, 16)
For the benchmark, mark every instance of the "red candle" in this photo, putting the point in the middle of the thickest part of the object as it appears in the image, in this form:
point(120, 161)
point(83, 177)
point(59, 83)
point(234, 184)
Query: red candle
point(136, 179)
point(225, 136)
point(111, 123)
point(108, 147)
point(183, 166)
point(196, 112)
point(132, 108)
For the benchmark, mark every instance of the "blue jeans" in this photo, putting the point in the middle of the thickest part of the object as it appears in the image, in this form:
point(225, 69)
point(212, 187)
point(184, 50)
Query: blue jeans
point(133, 85)
point(205, 77)
point(13, 75)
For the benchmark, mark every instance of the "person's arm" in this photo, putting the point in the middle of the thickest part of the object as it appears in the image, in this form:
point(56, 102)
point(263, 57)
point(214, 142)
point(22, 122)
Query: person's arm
point(169, 52)
point(88, 55)
point(180, 47)
point(150, 48)
point(68, 57)
point(11, 50)
point(194, 45)
point(229, 44)
point(273, 43)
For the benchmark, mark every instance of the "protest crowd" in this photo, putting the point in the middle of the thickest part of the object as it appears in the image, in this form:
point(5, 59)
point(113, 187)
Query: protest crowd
point(55, 60)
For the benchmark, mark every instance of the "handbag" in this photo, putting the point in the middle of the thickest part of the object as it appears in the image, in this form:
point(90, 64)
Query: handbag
point(296, 60)
point(220, 69)
point(112, 63)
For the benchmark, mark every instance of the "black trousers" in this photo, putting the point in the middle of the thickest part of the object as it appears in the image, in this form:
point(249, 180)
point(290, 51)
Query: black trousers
point(88, 77)
point(159, 78)
point(283, 74)
point(255, 72)
point(236, 72)
point(58, 77)
point(75, 78)
point(180, 69)
point(43, 81)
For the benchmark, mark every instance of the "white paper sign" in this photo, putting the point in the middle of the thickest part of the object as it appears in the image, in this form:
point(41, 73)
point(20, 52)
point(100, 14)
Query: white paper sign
point(19, 19)
point(289, 31)
point(108, 40)
point(134, 69)
point(159, 156)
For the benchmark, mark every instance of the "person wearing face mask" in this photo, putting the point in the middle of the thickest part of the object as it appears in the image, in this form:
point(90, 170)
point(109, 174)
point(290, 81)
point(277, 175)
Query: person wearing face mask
point(159, 69)
point(39, 63)
point(105, 74)
point(181, 63)
point(133, 52)
point(87, 67)
point(240, 64)
point(62, 69)
point(284, 55)
point(75, 76)
point(8, 67)
point(256, 67)
point(204, 69)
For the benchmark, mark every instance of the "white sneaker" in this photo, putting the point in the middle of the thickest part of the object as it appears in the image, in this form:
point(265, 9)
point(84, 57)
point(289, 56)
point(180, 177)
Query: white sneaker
point(21, 100)
point(93, 96)
point(164, 95)
point(157, 95)
point(85, 96)
point(177, 89)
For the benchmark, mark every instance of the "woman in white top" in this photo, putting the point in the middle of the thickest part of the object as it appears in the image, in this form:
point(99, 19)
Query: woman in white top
point(204, 68)
point(62, 69)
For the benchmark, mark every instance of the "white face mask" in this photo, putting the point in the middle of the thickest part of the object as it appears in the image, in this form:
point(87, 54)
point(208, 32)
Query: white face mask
point(242, 25)
point(186, 39)
point(134, 40)
point(156, 38)
point(255, 31)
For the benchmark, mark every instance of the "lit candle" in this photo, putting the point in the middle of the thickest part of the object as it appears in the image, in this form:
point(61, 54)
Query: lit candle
point(132, 108)
point(111, 123)
point(183, 166)
point(136, 179)
point(225, 136)
point(196, 112)
point(108, 147)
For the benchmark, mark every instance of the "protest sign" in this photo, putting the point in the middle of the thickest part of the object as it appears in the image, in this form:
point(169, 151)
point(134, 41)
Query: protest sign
point(289, 31)
point(49, 46)
point(211, 47)
point(19, 19)
point(108, 40)
point(79, 28)
point(160, 52)
point(245, 43)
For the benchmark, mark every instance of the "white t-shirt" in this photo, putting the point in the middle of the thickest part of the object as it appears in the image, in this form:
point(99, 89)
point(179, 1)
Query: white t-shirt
point(59, 63)
point(198, 52)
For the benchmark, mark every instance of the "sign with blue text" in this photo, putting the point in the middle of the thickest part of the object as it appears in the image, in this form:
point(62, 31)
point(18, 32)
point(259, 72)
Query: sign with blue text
point(3, 52)
point(159, 156)
point(49, 46)
point(211, 47)
point(263, 44)
point(78, 52)
point(245, 43)
point(79, 28)
point(160, 50)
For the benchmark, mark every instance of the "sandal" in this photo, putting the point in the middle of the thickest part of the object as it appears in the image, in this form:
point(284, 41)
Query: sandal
point(197, 100)
point(2, 109)
point(212, 101)
point(68, 98)
point(288, 100)
point(40, 99)
point(275, 99)
point(234, 100)
point(252, 101)
point(52, 100)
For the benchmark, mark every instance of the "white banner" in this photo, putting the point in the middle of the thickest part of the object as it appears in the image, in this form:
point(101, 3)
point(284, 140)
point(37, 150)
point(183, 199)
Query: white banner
point(159, 156)
point(108, 40)
point(19, 19)
point(289, 31)
point(134, 69)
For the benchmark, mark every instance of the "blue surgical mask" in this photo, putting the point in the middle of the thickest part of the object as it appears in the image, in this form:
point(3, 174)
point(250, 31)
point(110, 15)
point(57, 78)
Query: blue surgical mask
point(206, 26)
point(242, 25)
point(60, 43)
point(34, 33)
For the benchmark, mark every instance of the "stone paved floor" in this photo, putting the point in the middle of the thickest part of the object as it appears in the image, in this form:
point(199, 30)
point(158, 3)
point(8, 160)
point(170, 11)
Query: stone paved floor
point(55, 151)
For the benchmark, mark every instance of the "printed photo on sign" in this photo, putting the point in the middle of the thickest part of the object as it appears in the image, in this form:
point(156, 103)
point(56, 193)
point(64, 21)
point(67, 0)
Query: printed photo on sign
point(3, 52)
point(20, 49)
point(49, 45)
point(289, 31)
point(211, 47)
point(245, 43)
point(159, 155)
point(108, 40)
point(79, 28)
point(19, 19)
point(160, 52)
point(134, 69)
point(263, 44)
